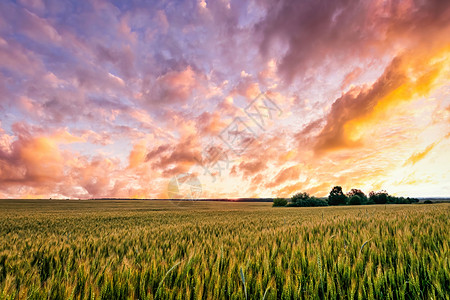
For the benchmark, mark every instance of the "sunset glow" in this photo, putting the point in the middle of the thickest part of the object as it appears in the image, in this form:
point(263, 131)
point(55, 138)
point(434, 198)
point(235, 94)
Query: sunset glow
point(118, 98)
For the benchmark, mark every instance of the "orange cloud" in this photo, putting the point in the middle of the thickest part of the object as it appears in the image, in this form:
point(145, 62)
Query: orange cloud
point(416, 157)
point(408, 76)
point(290, 173)
point(137, 155)
point(210, 123)
point(33, 159)
point(247, 87)
point(172, 87)
point(252, 167)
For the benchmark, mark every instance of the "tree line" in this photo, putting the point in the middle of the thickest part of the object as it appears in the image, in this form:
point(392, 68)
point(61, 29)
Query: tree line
point(338, 197)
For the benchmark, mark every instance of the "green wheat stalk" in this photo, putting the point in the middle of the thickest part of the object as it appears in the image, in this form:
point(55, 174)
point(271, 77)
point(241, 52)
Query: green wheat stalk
point(162, 280)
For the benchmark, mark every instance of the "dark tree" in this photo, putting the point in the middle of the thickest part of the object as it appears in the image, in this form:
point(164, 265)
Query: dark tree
point(337, 197)
point(354, 200)
point(305, 200)
point(359, 193)
point(300, 198)
point(380, 197)
point(277, 202)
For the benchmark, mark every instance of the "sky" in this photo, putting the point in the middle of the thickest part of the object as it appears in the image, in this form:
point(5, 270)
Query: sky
point(223, 99)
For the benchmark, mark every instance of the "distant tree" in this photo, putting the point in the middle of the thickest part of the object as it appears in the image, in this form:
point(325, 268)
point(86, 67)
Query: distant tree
point(413, 200)
point(380, 197)
point(398, 200)
point(337, 197)
point(428, 202)
point(359, 193)
point(277, 202)
point(354, 200)
point(373, 197)
point(299, 198)
point(370, 201)
point(305, 200)
point(314, 201)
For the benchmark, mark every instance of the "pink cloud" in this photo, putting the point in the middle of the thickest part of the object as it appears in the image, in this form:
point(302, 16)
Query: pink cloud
point(172, 87)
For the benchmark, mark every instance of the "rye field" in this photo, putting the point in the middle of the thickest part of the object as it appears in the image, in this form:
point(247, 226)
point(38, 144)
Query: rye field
point(55, 249)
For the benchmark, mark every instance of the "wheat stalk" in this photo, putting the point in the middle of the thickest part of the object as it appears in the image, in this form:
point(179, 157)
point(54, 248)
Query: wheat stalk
point(243, 282)
point(362, 247)
point(162, 280)
point(265, 293)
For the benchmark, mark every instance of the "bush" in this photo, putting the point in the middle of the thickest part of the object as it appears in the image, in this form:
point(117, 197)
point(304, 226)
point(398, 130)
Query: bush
point(428, 202)
point(355, 200)
point(337, 197)
point(279, 202)
point(305, 200)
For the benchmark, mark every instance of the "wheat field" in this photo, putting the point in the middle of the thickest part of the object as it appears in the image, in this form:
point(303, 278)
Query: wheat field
point(56, 249)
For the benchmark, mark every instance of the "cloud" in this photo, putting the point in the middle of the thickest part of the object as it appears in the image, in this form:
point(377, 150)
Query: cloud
point(350, 77)
point(357, 103)
point(33, 162)
point(18, 59)
point(308, 34)
point(416, 157)
point(309, 131)
point(95, 175)
point(290, 173)
point(210, 123)
point(252, 167)
point(138, 155)
point(407, 76)
point(33, 159)
point(37, 5)
point(176, 157)
point(172, 87)
point(247, 87)
point(29, 24)
point(123, 59)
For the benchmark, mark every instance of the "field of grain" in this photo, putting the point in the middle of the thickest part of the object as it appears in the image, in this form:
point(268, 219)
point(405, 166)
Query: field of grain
point(163, 250)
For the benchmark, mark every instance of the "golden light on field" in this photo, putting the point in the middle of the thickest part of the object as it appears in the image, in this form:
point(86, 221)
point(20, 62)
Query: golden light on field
point(190, 250)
